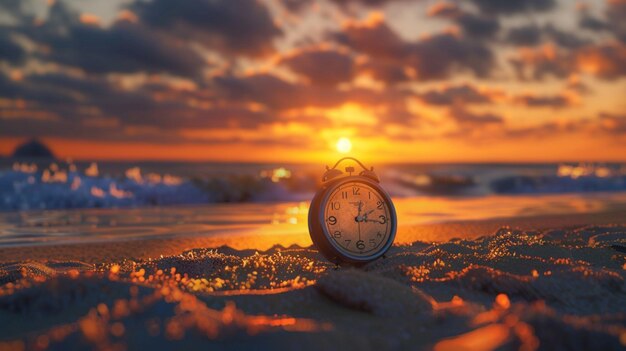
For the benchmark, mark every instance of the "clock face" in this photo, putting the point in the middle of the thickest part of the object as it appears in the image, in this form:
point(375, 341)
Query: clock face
point(357, 218)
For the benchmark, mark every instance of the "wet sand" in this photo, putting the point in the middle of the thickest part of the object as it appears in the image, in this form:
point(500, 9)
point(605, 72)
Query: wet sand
point(543, 282)
point(152, 248)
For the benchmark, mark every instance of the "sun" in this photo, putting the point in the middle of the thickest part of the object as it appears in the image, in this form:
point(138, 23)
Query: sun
point(344, 145)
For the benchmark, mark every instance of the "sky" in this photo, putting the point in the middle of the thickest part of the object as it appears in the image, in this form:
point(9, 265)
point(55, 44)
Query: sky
point(285, 80)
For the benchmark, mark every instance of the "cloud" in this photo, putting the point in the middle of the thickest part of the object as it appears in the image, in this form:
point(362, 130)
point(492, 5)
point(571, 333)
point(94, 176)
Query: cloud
point(613, 123)
point(473, 25)
point(511, 7)
point(434, 57)
point(278, 94)
point(478, 26)
point(556, 101)
point(123, 47)
point(439, 56)
point(386, 71)
point(79, 106)
point(613, 22)
point(265, 89)
point(464, 117)
point(322, 67)
point(372, 37)
point(445, 9)
point(10, 51)
point(531, 35)
point(243, 27)
point(453, 95)
point(605, 61)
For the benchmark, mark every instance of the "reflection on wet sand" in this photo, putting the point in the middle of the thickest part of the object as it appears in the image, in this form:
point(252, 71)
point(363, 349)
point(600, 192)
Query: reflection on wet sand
point(269, 220)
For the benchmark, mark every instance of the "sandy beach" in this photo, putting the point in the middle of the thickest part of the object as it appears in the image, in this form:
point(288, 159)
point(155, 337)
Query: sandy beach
point(539, 282)
point(313, 175)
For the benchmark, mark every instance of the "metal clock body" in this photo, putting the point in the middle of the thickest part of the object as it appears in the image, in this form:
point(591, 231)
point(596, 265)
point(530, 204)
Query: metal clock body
point(352, 218)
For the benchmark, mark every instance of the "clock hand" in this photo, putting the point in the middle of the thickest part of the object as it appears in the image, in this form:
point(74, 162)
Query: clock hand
point(363, 218)
point(358, 217)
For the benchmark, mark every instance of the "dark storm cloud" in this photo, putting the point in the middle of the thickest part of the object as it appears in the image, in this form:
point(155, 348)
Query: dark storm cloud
point(441, 55)
point(322, 67)
point(463, 94)
point(18, 10)
point(235, 26)
point(376, 40)
point(531, 35)
point(465, 117)
point(385, 71)
point(593, 23)
point(76, 103)
point(511, 7)
point(545, 129)
point(10, 51)
point(605, 61)
point(543, 62)
point(372, 3)
point(564, 39)
point(265, 89)
point(39, 92)
point(278, 94)
point(613, 22)
point(473, 25)
point(435, 57)
point(478, 26)
point(124, 47)
point(556, 101)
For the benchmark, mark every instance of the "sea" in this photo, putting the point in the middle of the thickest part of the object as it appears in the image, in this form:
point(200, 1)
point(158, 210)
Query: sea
point(44, 202)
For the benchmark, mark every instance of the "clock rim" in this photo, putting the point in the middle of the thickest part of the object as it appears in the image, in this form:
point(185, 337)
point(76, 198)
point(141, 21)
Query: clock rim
point(328, 247)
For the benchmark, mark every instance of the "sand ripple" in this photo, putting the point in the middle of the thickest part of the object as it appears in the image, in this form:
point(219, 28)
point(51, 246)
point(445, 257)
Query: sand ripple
point(557, 289)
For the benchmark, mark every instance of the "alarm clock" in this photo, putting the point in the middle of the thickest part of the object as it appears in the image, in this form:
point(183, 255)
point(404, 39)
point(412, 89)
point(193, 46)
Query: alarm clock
point(352, 218)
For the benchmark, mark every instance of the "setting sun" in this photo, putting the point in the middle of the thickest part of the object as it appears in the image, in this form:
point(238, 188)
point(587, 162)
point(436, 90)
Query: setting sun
point(344, 145)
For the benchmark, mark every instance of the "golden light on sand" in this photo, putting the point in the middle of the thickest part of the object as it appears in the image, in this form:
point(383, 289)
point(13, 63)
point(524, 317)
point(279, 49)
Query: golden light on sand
point(344, 145)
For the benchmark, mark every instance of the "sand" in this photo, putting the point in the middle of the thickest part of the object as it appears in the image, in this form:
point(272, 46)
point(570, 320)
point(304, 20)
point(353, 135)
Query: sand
point(549, 283)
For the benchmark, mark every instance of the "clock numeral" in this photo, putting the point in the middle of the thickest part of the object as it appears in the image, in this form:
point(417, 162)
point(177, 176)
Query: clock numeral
point(332, 220)
point(360, 244)
point(335, 205)
point(348, 242)
point(337, 234)
point(380, 235)
point(356, 191)
point(380, 205)
point(344, 194)
point(372, 242)
point(369, 195)
point(383, 219)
